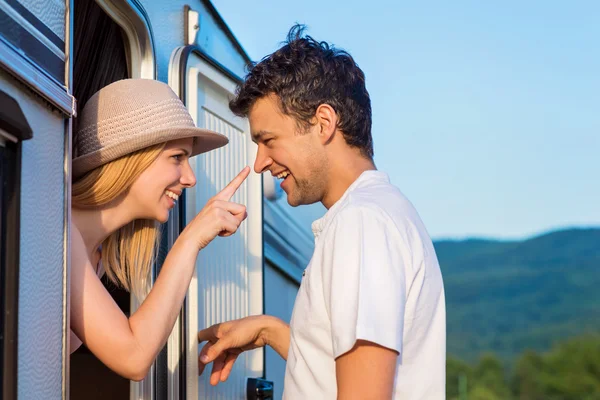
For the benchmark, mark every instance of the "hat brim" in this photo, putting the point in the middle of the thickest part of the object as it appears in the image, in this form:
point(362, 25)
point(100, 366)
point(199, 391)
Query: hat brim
point(205, 141)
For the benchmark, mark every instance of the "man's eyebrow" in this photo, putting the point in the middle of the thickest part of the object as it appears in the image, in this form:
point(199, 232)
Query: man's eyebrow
point(257, 135)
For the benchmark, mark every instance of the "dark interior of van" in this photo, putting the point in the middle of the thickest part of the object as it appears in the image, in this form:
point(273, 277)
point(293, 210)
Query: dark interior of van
point(99, 59)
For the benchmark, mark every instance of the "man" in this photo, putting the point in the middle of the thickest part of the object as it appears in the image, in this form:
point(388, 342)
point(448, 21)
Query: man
point(369, 318)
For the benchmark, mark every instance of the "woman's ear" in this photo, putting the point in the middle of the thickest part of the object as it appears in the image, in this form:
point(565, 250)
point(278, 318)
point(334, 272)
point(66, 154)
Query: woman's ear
point(327, 119)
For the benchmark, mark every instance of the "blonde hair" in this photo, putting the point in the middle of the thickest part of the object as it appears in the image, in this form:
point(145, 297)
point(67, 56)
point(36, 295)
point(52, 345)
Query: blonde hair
point(129, 252)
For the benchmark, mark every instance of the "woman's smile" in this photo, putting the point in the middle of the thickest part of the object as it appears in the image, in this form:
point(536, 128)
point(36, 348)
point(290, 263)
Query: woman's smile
point(172, 197)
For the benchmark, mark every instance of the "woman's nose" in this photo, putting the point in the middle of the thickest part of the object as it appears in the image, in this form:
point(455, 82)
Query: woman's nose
point(188, 178)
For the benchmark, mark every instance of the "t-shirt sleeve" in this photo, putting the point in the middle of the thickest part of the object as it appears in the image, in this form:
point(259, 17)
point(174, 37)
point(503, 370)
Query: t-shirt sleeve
point(364, 280)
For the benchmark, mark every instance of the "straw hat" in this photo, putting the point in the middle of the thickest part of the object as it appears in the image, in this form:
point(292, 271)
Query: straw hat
point(130, 115)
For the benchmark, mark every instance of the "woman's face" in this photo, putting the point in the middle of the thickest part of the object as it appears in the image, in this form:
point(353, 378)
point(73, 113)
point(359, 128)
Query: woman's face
point(158, 188)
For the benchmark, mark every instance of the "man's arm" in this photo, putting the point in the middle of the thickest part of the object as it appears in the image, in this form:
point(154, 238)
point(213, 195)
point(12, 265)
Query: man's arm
point(366, 372)
point(228, 340)
point(277, 335)
point(364, 288)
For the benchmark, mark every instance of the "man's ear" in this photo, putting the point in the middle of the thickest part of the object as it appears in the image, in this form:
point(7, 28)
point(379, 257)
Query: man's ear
point(327, 119)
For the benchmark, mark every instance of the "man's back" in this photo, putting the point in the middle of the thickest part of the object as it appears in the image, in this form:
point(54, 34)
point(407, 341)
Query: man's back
point(374, 276)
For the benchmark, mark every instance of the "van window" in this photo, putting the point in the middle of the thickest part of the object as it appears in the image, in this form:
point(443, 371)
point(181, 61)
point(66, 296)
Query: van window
point(99, 59)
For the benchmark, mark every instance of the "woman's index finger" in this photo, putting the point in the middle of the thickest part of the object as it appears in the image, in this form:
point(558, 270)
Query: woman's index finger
point(229, 190)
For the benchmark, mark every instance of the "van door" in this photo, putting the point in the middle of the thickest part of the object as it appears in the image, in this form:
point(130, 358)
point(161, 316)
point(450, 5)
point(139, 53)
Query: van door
point(36, 107)
point(228, 282)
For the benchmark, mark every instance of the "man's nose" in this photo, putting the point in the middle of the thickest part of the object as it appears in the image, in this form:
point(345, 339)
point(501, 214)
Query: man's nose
point(262, 162)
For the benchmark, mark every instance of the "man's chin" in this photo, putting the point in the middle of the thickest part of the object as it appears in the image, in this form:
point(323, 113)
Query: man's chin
point(292, 200)
point(295, 202)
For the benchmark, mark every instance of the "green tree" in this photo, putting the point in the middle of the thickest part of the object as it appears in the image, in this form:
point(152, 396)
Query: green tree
point(489, 374)
point(570, 371)
point(573, 370)
point(526, 383)
point(457, 371)
point(480, 392)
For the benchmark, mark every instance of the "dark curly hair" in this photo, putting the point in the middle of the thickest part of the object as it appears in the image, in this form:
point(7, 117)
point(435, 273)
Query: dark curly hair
point(304, 74)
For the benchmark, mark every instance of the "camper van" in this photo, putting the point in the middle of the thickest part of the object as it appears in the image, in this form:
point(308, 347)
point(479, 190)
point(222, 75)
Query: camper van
point(54, 55)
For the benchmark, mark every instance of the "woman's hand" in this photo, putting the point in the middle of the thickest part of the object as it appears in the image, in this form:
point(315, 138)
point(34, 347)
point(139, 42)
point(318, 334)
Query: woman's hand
point(219, 216)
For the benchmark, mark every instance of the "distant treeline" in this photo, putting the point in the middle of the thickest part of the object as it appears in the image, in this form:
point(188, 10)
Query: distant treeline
point(509, 296)
point(570, 371)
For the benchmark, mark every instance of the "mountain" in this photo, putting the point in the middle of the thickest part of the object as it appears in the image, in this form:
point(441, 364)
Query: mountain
point(508, 296)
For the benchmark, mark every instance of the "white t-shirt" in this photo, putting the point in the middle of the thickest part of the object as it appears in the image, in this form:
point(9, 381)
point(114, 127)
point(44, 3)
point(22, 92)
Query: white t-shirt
point(373, 276)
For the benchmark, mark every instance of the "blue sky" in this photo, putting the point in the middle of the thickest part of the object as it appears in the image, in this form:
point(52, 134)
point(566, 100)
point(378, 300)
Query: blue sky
point(485, 114)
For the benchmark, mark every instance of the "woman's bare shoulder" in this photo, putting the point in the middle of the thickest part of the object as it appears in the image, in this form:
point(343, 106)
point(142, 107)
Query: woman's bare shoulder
point(79, 255)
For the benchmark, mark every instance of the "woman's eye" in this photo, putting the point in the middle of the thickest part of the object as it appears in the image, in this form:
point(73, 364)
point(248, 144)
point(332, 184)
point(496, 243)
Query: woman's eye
point(177, 156)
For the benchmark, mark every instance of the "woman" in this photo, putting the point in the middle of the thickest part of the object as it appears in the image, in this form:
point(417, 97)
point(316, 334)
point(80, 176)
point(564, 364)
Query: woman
point(131, 163)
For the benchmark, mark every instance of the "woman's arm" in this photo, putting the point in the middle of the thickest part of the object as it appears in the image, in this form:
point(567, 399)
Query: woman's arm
point(129, 346)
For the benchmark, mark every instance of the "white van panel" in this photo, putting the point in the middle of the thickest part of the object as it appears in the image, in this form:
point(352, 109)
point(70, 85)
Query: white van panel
point(41, 320)
point(280, 295)
point(50, 12)
point(228, 283)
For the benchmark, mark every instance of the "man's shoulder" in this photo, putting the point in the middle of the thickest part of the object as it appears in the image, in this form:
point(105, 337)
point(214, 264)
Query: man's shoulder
point(365, 215)
point(383, 207)
point(381, 202)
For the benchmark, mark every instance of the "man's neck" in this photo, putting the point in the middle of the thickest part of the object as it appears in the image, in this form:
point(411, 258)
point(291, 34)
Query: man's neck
point(343, 173)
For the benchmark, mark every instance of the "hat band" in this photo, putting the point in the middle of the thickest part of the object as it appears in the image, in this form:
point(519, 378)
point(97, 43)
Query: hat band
point(107, 134)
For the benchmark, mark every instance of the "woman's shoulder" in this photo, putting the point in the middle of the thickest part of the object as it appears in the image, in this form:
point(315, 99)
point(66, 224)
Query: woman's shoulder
point(76, 238)
point(78, 253)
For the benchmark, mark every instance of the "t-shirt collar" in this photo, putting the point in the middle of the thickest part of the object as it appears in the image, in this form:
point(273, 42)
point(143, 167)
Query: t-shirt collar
point(366, 178)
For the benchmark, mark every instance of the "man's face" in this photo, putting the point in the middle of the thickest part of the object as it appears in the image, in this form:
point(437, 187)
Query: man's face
point(290, 152)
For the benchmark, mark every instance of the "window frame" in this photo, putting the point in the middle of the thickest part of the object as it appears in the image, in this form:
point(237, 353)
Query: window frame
point(14, 128)
point(132, 18)
point(23, 40)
